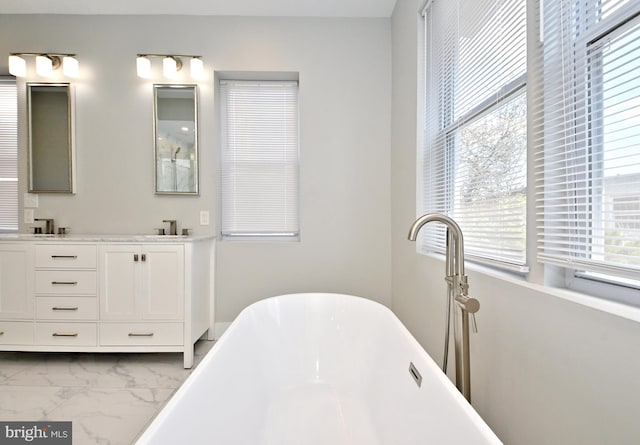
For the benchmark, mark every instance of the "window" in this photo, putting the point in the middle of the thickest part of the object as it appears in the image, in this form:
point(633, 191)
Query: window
point(8, 155)
point(259, 179)
point(474, 150)
point(589, 181)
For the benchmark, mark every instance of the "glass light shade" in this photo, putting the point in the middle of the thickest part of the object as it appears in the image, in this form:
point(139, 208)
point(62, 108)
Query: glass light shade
point(170, 67)
point(197, 68)
point(70, 66)
point(44, 66)
point(143, 66)
point(17, 66)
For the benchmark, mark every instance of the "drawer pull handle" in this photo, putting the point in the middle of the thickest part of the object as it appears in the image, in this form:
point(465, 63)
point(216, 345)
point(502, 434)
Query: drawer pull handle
point(57, 308)
point(72, 283)
point(1, 332)
point(135, 334)
point(71, 257)
point(64, 334)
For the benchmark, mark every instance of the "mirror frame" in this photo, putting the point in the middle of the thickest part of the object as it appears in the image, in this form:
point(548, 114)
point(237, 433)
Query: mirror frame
point(196, 160)
point(31, 86)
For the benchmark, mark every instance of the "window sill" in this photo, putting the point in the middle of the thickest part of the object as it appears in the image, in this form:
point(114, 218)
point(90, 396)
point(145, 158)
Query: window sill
point(611, 307)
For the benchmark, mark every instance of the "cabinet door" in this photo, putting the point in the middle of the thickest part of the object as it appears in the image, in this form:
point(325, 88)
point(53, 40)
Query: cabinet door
point(163, 282)
point(16, 281)
point(119, 286)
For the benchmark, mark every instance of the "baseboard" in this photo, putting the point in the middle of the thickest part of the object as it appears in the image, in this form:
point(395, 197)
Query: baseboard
point(219, 328)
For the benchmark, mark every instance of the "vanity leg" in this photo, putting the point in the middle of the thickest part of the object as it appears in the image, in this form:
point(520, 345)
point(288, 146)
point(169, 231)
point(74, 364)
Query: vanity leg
point(188, 356)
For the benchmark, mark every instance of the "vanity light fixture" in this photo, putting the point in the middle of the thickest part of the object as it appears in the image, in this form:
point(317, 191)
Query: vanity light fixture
point(70, 66)
point(143, 66)
point(17, 66)
point(46, 63)
point(171, 65)
point(197, 68)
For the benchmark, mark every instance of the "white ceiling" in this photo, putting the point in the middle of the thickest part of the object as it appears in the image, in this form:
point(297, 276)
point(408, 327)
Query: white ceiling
point(286, 8)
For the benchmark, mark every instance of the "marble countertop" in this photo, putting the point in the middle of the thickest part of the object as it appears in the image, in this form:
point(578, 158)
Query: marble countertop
point(113, 238)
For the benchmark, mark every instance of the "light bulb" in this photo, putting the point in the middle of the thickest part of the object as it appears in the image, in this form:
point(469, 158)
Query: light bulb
point(44, 66)
point(70, 66)
point(197, 68)
point(17, 66)
point(143, 66)
point(170, 67)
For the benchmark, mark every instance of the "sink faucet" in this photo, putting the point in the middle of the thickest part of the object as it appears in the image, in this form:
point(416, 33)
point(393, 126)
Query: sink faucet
point(173, 226)
point(457, 294)
point(49, 228)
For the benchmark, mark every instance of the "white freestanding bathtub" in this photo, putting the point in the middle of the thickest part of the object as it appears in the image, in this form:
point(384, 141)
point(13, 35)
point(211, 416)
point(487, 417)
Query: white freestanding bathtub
point(311, 369)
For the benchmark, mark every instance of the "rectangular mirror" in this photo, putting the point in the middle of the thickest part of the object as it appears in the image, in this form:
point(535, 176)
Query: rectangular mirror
point(176, 139)
point(51, 151)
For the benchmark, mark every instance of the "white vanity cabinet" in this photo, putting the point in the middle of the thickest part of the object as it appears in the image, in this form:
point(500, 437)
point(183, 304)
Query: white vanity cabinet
point(16, 281)
point(16, 294)
point(66, 295)
point(106, 294)
point(142, 294)
point(141, 282)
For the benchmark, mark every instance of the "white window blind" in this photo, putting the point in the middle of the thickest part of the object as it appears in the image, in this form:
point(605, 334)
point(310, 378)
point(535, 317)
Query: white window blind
point(588, 189)
point(475, 134)
point(8, 155)
point(259, 158)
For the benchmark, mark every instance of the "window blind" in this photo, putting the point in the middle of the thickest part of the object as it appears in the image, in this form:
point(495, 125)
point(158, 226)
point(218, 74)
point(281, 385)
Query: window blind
point(259, 178)
point(8, 155)
point(474, 141)
point(588, 186)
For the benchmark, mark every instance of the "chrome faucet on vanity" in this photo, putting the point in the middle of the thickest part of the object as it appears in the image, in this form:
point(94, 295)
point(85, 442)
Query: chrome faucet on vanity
point(173, 226)
point(49, 228)
point(457, 294)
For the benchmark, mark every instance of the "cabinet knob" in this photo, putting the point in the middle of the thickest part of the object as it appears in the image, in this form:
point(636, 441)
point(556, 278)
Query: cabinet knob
point(144, 257)
point(135, 257)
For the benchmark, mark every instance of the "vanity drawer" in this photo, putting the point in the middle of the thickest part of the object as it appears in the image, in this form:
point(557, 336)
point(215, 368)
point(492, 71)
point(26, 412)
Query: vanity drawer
point(136, 334)
point(66, 308)
point(64, 256)
point(66, 282)
point(16, 333)
point(62, 334)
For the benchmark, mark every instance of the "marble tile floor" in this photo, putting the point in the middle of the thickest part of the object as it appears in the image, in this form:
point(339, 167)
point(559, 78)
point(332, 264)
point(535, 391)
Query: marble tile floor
point(109, 398)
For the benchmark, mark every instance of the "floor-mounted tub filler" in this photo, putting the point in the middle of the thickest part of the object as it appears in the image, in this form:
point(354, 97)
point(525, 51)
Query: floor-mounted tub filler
point(311, 369)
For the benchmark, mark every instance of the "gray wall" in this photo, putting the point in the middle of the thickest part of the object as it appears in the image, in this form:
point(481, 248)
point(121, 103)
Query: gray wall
point(544, 370)
point(344, 68)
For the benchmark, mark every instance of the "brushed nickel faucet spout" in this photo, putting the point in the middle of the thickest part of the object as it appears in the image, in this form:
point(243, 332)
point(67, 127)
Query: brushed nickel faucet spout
point(49, 226)
point(457, 289)
point(173, 226)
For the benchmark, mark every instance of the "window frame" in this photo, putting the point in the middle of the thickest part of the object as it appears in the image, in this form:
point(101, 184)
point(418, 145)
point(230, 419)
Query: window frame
point(605, 285)
point(448, 131)
point(14, 180)
point(258, 234)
